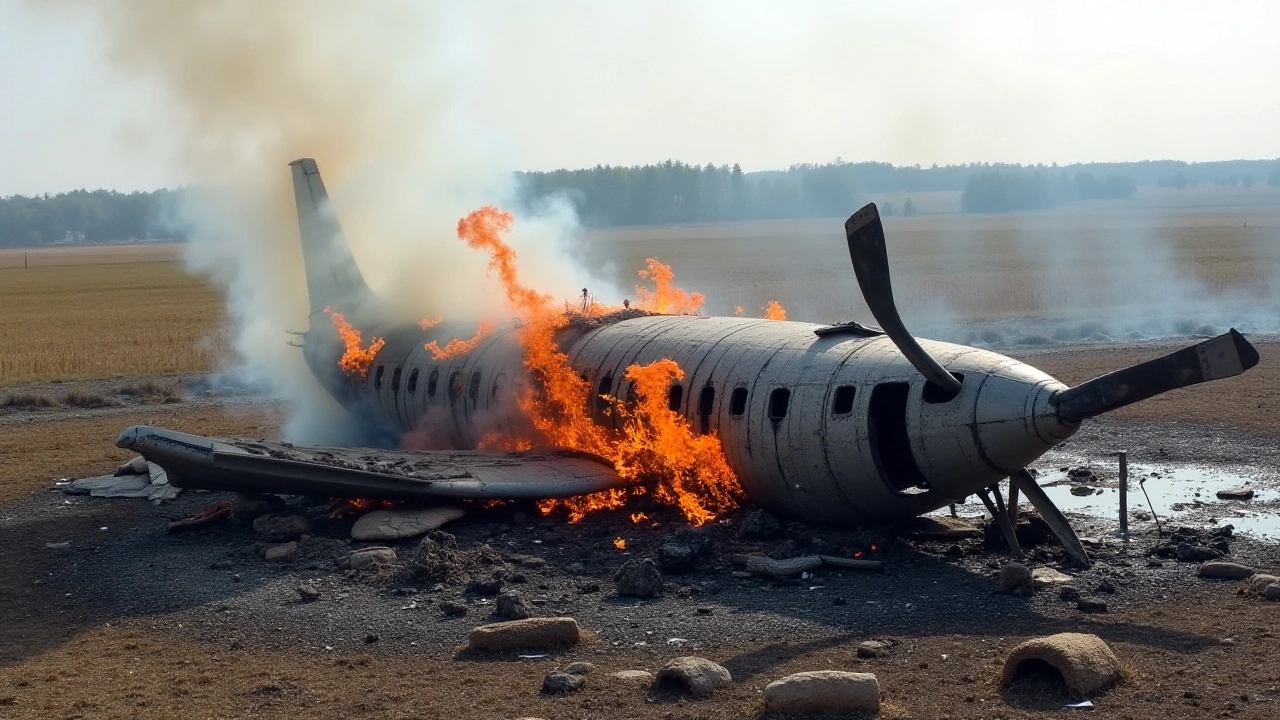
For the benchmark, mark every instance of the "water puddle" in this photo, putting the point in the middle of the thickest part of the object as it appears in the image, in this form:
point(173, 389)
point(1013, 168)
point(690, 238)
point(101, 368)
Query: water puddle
point(1180, 494)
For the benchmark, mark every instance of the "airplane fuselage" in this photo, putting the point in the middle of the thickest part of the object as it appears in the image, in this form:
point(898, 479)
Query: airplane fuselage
point(837, 428)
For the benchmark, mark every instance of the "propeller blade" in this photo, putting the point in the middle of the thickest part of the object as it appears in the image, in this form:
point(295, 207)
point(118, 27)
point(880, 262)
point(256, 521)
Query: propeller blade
point(871, 264)
point(1052, 515)
point(1221, 357)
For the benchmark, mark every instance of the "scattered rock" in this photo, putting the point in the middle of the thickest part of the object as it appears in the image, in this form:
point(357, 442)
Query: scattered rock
point(1271, 592)
point(1196, 553)
point(697, 676)
point(1105, 587)
point(281, 527)
point(1091, 605)
point(582, 667)
point(365, 557)
point(833, 692)
point(283, 551)
point(872, 649)
point(591, 586)
point(633, 676)
point(436, 558)
point(529, 634)
point(1080, 473)
point(676, 558)
point(1239, 493)
point(399, 524)
point(1081, 490)
point(558, 683)
point(740, 575)
point(510, 606)
point(491, 585)
point(1043, 577)
point(1258, 583)
point(639, 578)
point(942, 528)
point(453, 609)
point(1016, 579)
point(1085, 662)
point(246, 508)
point(758, 525)
point(1222, 570)
point(308, 591)
point(1069, 593)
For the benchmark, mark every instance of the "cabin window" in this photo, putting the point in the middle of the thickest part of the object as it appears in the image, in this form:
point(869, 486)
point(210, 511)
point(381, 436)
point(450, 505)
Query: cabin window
point(377, 378)
point(890, 441)
point(473, 389)
point(933, 394)
point(706, 401)
point(432, 381)
point(675, 396)
point(395, 379)
point(602, 391)
point(778, 401)
point(738, 401)
point(843, 404)
point(412, 387)
point(498, 383)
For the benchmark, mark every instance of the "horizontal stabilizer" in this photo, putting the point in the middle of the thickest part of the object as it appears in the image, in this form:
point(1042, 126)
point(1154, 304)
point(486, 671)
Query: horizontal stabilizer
point(1222, 357)
point(205, 463)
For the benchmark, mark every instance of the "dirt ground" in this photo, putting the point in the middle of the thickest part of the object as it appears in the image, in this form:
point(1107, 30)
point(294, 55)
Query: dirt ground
point(131, 621)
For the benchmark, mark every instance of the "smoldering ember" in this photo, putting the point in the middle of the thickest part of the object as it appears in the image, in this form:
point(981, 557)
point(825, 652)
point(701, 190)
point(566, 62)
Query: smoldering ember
point(610, 509)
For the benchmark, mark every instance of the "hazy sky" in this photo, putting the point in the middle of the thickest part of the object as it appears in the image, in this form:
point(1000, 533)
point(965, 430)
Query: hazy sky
point(574, 84)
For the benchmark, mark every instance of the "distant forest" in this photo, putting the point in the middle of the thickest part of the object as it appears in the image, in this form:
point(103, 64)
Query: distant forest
point(673, 192)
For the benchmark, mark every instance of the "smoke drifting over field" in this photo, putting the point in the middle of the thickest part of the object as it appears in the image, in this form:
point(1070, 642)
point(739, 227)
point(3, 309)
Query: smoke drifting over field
point(379, 99)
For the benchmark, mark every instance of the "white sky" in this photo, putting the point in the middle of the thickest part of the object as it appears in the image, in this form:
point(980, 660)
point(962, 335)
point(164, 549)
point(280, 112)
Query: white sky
point(573, 84)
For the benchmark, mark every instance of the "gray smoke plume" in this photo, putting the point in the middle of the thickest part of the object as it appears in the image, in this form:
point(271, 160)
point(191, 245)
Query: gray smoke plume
point(378, 95)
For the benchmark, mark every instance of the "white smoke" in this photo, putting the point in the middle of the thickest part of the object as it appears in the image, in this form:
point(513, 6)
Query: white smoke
point(378, 95)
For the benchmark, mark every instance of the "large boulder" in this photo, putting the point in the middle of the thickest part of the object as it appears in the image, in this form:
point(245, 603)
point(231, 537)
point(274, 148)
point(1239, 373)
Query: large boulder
point(1016, 579)
point(696, 676)
point(1085, 662)
point(833, 692)
point(1223, 570)
point(529, 634)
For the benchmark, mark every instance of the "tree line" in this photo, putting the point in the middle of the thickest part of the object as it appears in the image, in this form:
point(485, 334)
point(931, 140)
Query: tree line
point(675, 192)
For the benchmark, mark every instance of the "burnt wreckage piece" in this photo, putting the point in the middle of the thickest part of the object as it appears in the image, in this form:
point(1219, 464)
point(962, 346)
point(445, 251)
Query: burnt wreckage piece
point(192, 461)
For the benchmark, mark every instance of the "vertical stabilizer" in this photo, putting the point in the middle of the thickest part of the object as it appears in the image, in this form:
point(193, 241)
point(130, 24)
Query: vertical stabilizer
point(333, 279)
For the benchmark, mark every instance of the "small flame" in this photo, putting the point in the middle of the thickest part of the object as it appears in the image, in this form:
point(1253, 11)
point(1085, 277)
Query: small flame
point(428, 323)
point(505, 443)
point(664, 297)
point(620, 543)
point(638, 518)
point(355, 360)
point(737, 310)
point(775, 311)
point(456, 347)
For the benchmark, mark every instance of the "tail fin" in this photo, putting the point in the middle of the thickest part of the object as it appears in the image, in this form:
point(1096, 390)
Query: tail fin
point(333, 279)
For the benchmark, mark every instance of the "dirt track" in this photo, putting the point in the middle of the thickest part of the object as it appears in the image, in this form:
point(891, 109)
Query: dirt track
point(135, 622)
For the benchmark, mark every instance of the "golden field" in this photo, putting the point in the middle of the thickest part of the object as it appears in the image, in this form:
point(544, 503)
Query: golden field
point(68, 322)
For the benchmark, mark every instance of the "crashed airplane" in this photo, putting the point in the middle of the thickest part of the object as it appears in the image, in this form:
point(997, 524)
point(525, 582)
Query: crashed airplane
point(834, 424)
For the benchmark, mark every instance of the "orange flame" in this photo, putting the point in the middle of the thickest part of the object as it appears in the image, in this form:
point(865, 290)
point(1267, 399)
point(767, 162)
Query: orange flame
point(638, 518)
point(737, 310)
point(665, 297)
point(620, 543)
point(774, 311)
point(355, 360)
point(656, 448)
point(456, 347)
point(427, 324)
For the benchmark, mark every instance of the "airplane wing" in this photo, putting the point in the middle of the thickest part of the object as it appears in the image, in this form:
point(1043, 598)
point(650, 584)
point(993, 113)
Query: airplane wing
point(196, 462)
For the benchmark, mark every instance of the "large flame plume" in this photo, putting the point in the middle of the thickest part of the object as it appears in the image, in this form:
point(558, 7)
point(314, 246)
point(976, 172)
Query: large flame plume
point(656, 447)
point(775, 311)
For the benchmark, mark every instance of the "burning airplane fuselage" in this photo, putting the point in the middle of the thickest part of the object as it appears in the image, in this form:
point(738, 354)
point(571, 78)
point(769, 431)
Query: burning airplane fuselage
point(837, 427)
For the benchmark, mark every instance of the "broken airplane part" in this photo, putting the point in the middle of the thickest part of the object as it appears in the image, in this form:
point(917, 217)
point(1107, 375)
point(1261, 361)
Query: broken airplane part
point(837, 424)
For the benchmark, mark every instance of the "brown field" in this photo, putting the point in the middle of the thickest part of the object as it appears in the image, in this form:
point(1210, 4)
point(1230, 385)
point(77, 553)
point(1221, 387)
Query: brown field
point(68, 322)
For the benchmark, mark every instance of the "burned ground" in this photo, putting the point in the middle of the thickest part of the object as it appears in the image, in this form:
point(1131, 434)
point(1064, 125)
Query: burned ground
point(136, 621)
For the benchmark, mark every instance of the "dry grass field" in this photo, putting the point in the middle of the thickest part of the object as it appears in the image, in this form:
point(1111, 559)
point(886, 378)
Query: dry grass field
point(68, 322)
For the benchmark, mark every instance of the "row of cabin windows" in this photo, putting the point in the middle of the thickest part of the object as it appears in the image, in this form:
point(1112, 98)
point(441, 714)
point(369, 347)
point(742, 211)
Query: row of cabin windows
point(433, 383)
point(779, 400)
